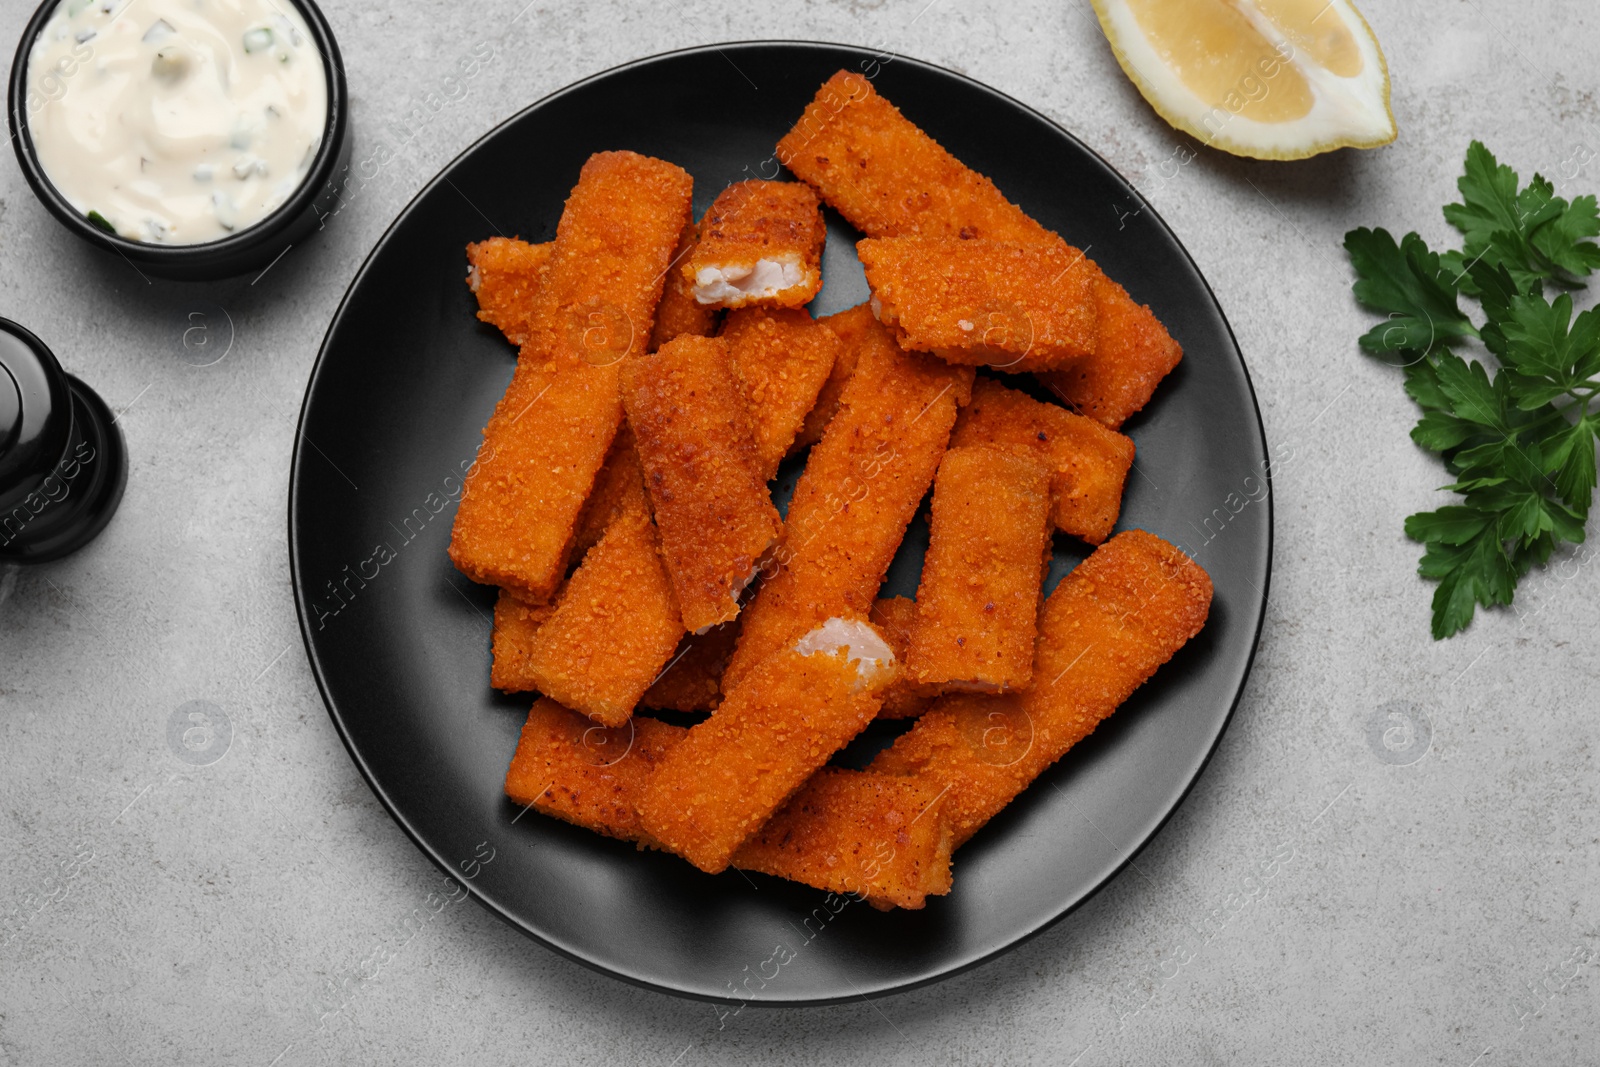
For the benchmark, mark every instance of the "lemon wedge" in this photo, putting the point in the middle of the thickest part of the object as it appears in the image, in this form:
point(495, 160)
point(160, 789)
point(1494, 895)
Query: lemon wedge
point(1270, 79)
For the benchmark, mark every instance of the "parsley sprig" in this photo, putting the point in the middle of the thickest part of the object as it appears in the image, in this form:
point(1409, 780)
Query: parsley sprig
point(1518, 437)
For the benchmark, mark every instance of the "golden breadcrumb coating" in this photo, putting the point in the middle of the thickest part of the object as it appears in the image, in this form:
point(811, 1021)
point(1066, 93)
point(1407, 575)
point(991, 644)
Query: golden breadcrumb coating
point(554, 425)
point(714, 789)
point(978, 601)
point(504, 273)
point(760, 246)
point(890, 179)
point(1088, 463)
point(782, 358)
point(692, 678)
point(874, 835)
point(893, 618)
point(620, 481)
point(881, 836)
point(778, 355)
point(515, 624)
point(620, 486)
point(1135, 354)
point(861, 486)
point(615, 625)
point(591, 776)
point(1013, 307)
point(1108, 626)
point(851, 327)
point(711, 503)
point(679, 313)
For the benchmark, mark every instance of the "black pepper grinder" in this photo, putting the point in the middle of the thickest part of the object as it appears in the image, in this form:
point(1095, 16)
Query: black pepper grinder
point(63, 464)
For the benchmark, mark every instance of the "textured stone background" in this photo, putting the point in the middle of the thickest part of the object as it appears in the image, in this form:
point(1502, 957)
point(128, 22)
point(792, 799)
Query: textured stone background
point(1433, 902)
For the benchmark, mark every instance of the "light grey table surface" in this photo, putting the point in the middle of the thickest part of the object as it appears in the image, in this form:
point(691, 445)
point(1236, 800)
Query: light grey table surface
point(1427, 898)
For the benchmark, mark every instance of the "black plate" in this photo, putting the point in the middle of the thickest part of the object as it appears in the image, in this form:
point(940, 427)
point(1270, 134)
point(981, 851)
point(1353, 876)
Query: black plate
point(393, 413)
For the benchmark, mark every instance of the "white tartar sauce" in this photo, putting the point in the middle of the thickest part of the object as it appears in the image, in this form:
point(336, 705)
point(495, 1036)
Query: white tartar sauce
point(176, 121)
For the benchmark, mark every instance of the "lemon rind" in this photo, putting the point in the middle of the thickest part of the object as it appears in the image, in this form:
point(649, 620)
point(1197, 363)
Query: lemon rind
point(1242, 136)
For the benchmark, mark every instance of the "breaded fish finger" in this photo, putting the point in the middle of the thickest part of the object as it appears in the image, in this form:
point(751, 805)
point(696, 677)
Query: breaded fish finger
point(1108, 626)
point(771, 732)
point(504, 273)
point(1013, 307)
point(1135, 353)
point(711, 502)
point(978, 601)
point(760, 246)
point(874, 835)
point(679, 313)
point(554, 425)
point(614, 627)
point(591, 776)
point(1088, 463)
point(861, 486)
point(516, 622)
point(782, 358)
point(890, 179)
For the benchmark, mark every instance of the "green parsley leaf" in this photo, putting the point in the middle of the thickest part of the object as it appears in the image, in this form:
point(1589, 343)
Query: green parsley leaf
point(1548, 352)
point(1406, 281)
point(1422, 385)
point(1469, 391)
point(1525, 557)
point(1477, 571)
point(1536, 235)
point(1440, 431)
point(1570, 460)
point(1561, 240)
point(1489, 200)
point(1453, 525)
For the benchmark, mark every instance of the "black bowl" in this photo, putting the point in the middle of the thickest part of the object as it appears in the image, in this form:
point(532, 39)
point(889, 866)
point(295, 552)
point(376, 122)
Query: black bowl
point(238, 253)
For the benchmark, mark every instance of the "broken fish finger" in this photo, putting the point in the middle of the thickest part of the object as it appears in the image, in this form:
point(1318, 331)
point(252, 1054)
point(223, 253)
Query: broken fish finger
point(760, 246)
point(716, 787)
